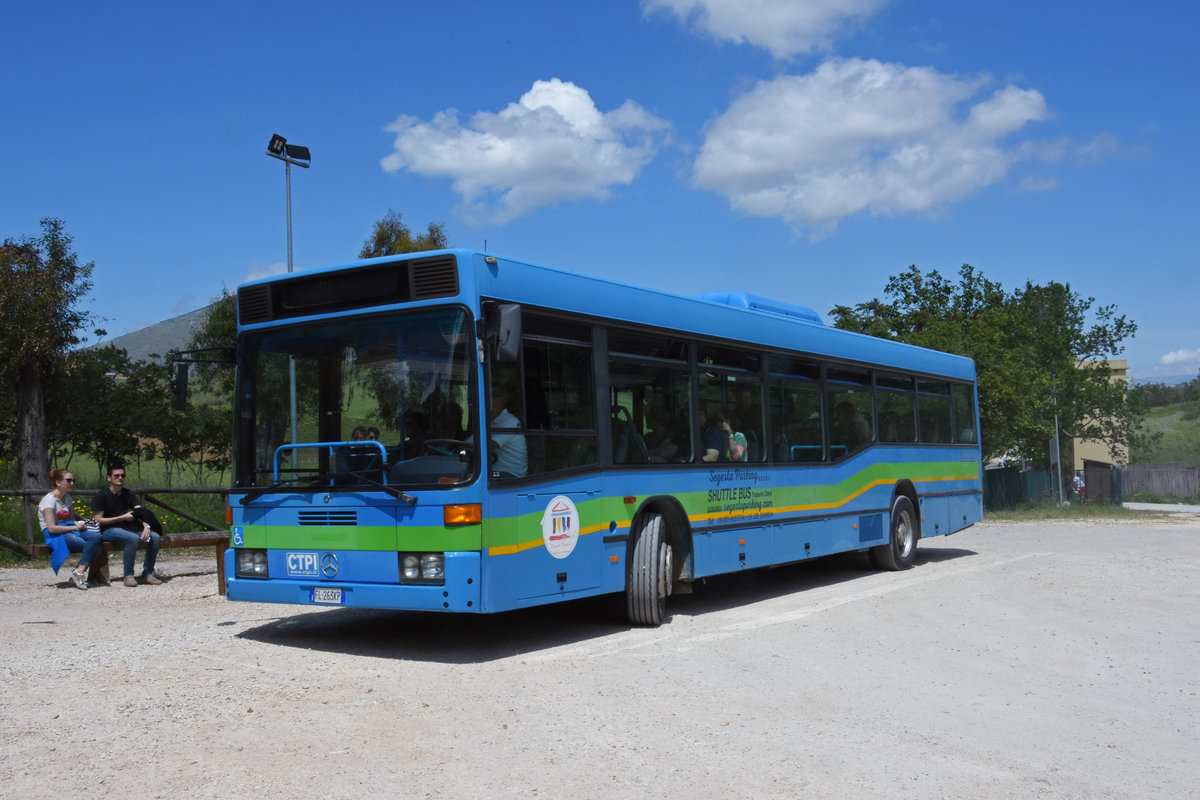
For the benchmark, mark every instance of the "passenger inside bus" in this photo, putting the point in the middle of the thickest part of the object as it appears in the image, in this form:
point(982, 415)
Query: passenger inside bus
point(509, 455)
point(660, 437)
point(449, 422)
point(718, 439)
point(849, 430)
point(746, 419)
point(416, 432)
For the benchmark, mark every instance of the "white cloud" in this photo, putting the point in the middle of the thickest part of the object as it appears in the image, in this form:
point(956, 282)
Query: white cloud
point(1031, 184)
point(1183, 356)
point(551, 145)
point(783, 27)
point(257, 271)
point(861, 136)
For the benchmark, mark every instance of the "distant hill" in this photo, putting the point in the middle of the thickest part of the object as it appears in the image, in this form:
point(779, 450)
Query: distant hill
point(1165, 380)
point(160, 338)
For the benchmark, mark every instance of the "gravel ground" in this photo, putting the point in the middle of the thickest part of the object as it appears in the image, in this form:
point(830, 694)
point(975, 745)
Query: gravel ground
point(1014, 661)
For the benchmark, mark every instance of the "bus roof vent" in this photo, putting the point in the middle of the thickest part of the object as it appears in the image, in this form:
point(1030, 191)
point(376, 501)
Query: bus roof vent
point(433, 277)
point(334, 291)
point(254, 304)
point(755, 303)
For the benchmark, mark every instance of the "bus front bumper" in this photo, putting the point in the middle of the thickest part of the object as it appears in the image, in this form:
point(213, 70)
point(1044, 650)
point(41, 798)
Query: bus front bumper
point(459, 591)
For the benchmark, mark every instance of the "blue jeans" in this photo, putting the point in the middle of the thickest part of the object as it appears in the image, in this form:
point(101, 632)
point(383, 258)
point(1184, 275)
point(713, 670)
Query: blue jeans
point(85, 542)
point(130, 542)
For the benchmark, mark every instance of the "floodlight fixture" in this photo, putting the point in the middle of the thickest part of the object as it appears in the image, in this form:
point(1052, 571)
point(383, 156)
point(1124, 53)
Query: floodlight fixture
point(288, 153)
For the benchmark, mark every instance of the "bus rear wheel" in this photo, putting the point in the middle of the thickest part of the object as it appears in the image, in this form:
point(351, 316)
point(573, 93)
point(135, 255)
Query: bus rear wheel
point(900, 552)
point(649, 574)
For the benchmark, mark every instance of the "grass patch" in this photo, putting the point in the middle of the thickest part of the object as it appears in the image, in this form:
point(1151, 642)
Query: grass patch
point(1176, 430)
point(1033, 512)
point(1150, 497)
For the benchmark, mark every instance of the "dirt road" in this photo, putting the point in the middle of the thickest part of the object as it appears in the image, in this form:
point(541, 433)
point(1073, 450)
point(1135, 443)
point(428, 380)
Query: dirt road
point(1014, 661)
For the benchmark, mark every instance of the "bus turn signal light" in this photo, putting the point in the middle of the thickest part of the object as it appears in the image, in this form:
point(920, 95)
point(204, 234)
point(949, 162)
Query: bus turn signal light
point(468, 514)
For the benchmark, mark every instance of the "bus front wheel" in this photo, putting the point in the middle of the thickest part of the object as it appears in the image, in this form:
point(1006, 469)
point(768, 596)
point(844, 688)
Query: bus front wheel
point(648, 575)
point(900, 552)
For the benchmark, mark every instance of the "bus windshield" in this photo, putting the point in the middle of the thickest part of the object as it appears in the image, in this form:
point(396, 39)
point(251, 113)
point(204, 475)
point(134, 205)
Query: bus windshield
point(356, 403)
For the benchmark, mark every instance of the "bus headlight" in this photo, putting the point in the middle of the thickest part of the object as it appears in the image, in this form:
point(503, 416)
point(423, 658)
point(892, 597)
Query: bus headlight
point(422, 567)
point(432, 566)
point(252, 564)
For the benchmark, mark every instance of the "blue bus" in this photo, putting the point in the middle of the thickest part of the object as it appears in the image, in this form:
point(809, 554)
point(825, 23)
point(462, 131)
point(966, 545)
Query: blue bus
point(458, 431)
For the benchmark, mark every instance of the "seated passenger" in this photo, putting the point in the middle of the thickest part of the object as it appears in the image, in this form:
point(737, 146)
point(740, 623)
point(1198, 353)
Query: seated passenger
point(660, 438)
point(718, 439)
point(509, 455)
point(449, 422)
point(416, 433)
point(848, 429)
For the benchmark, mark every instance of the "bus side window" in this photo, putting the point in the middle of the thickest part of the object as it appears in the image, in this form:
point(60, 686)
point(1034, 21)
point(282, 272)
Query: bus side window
point(650, 398)
point(933, 412)
point(964, 413)
point(796, 421)
point(850, 421)
point(559, 423)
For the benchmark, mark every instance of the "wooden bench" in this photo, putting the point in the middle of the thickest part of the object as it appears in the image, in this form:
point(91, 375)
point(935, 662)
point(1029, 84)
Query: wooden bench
point(98, 569)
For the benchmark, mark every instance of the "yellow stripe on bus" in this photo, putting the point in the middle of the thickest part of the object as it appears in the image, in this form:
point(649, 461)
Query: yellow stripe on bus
point(513, 549)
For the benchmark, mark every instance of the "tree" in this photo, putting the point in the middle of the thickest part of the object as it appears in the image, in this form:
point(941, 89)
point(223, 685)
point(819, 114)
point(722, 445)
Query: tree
point(219, 330)
point(391, 237)
point(41, 284)
point(1038, 351)
point(91, 409)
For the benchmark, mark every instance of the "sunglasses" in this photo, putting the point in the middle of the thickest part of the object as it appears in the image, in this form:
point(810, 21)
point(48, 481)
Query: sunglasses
point(69, 480)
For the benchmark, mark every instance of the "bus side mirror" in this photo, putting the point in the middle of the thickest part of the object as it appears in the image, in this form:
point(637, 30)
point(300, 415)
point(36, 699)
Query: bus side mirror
point(508, 332)
point(180, 385)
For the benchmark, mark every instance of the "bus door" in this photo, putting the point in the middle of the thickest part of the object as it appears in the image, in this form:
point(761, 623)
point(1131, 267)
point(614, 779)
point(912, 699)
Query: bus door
point(560, 555)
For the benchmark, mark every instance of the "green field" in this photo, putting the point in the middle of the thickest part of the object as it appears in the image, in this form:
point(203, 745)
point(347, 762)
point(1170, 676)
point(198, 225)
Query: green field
point(1177, 436)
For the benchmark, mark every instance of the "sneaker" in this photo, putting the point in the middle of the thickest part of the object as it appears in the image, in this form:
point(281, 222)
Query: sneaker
point(151, 579)
point(130, 580)
point(79, 579)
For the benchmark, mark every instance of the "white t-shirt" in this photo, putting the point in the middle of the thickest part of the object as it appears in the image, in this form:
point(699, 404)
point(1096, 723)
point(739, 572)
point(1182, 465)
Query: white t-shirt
point(513, 458)
point(58, 507)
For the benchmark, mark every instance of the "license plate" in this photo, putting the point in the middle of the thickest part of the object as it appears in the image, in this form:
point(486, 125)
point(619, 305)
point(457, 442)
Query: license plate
point(330, 596)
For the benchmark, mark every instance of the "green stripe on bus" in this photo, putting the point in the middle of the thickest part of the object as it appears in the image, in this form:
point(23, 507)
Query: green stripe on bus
point(512, 534)
point(373, 537)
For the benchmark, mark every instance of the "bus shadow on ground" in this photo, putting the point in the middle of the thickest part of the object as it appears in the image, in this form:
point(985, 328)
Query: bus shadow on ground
point(478, 638)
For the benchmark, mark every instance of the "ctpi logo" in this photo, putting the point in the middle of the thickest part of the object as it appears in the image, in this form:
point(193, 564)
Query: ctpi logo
point(301, 565)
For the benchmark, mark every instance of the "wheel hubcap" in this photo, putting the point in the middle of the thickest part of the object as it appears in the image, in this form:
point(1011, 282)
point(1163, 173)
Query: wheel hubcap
point(904, 535)
point(665, 568)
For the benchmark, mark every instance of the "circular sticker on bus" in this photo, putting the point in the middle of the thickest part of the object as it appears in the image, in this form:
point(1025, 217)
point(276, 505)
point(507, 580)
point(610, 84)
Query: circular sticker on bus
point(560, 526)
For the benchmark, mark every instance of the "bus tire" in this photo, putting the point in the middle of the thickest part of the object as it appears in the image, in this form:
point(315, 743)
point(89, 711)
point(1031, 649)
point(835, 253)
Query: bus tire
point(900, 552)
point(648, 576)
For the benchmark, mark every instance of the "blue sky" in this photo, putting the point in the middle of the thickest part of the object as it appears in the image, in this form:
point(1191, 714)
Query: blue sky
point(799, 150)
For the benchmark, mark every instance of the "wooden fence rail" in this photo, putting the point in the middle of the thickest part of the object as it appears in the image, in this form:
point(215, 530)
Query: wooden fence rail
point(1167, 480)
point(211, 534)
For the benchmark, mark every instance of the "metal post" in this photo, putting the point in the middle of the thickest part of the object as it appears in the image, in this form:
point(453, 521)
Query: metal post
point(290, 154)
point(1058, 453)
point(287, 168)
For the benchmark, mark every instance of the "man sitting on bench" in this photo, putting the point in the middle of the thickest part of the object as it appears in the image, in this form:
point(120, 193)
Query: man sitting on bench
point(125, 522)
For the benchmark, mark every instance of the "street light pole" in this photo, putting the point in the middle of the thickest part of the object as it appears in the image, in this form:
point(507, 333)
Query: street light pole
point(290, 154)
